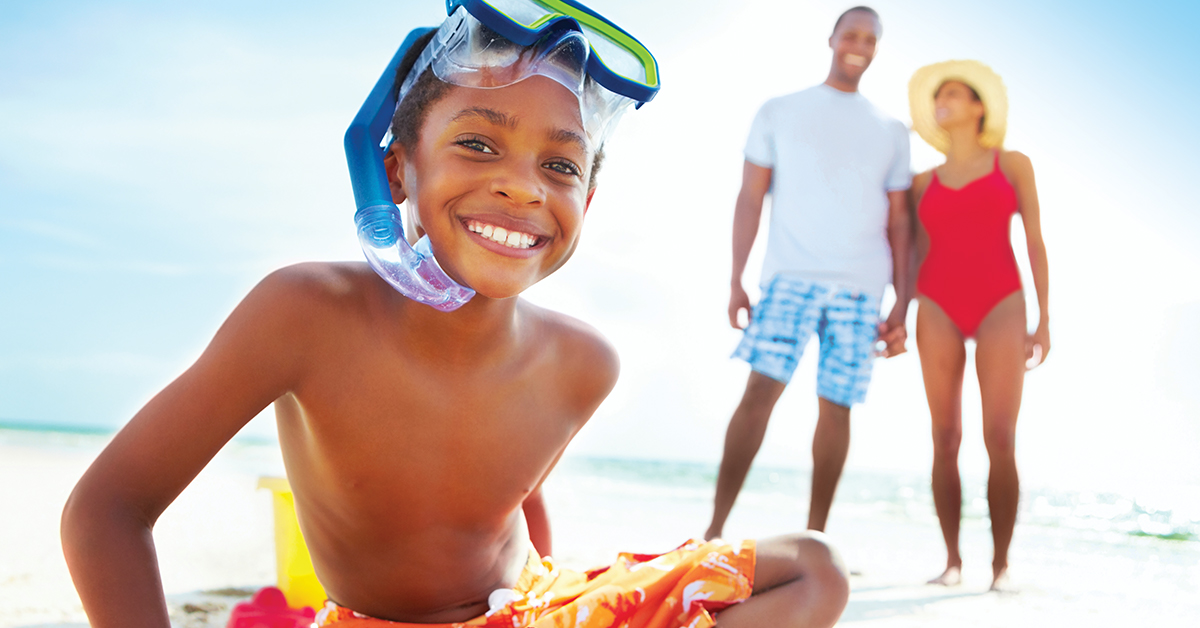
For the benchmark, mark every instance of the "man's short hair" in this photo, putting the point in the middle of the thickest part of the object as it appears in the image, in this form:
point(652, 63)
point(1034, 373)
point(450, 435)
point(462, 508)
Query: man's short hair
point(860, 9)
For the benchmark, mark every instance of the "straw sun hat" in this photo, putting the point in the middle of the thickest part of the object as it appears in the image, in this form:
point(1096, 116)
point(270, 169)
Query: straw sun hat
point(925, 83)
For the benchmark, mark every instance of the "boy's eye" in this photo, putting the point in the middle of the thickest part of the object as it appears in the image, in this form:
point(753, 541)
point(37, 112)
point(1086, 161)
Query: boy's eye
point(564, 167)
point(475, 144)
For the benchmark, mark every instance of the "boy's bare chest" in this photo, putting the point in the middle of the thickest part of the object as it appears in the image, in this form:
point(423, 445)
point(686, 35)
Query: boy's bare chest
point(383, 423)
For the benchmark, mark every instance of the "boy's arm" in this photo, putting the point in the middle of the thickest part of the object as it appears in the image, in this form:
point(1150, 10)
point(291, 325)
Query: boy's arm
point(591, 369)
point(108, 520)
point(538, 521)
point(899, 230)
point(747, 213)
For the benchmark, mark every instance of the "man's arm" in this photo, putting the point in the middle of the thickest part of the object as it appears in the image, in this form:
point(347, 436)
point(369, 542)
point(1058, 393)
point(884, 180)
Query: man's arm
point(899, 230)
point(747, 213)
point(108, 521)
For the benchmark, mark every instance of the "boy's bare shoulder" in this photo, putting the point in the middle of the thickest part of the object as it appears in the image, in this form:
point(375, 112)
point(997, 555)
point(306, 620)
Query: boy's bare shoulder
point(581, 352)
point(304, 300)
point(323, 280)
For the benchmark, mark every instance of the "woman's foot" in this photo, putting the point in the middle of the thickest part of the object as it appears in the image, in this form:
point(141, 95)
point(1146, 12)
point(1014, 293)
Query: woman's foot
point(949, 578)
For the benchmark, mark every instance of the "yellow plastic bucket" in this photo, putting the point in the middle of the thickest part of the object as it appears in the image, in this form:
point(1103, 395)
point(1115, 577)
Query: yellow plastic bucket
point(293, 565)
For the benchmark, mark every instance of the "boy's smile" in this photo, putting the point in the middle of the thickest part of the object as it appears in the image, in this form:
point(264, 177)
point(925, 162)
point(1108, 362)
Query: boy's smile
point(509, 240)
point(499, 180)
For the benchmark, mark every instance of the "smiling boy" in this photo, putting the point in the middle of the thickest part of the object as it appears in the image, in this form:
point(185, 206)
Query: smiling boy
point(416, 441)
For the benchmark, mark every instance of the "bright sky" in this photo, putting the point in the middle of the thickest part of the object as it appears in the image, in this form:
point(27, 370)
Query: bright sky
point(157, 160)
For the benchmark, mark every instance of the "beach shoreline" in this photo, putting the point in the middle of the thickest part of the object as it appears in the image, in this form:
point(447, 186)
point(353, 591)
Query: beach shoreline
point(216, 547)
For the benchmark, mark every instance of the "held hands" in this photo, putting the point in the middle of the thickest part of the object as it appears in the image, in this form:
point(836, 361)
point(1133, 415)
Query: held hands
point(738, 301)
point(892, 334)
point(1037, 347)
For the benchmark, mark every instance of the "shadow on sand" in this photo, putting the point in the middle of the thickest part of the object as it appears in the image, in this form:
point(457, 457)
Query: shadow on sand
point(863, 610)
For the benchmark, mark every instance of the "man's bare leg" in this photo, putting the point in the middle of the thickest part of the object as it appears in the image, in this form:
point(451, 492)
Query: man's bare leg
point(742, 440)
point(831, 443)
point(943, 358)
point(1000, 361)
point(799, 582)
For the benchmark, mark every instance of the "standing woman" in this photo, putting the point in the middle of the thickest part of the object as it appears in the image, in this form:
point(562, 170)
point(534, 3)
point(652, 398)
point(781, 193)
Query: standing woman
point(968, 287)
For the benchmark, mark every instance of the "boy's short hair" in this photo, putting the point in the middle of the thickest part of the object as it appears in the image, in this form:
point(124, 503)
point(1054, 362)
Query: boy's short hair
point(427, 90)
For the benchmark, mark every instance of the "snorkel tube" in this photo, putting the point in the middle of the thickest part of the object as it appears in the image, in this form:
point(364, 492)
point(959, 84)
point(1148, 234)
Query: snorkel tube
point(413, 271)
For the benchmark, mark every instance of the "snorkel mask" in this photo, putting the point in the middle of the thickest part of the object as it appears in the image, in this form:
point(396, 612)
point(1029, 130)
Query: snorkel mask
point(486, 45)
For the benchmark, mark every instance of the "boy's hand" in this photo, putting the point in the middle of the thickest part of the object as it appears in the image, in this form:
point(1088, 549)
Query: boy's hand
point(738, 301)
point(1037, 347)
point(893, 334)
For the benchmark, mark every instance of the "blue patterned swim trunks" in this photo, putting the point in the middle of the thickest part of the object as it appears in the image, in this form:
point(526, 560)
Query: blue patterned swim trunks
point(790, 311)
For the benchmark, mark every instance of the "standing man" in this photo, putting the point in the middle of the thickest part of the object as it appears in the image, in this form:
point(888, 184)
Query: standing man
point(838, 172)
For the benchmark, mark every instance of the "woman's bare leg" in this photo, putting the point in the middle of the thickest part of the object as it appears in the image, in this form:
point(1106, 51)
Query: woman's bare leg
point(943, 358)
point(1000, 361)
point(799, 582)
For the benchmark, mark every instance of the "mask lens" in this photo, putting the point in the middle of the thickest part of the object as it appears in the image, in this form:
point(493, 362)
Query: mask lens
point(616, 57)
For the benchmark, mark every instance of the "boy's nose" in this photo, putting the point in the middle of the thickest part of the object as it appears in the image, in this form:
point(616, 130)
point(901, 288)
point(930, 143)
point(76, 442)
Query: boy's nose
point(520, 184)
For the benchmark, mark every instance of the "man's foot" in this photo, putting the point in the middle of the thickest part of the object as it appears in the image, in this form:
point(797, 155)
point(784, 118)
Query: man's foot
point(1001, 582)
point(712, 533)
point(949, 578)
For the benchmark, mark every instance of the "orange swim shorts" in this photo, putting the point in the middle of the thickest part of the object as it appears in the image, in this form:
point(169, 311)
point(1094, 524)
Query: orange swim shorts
point(678, 589)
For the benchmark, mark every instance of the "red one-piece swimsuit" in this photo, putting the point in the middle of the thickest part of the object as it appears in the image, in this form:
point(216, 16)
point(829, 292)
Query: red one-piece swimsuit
point(970, 266)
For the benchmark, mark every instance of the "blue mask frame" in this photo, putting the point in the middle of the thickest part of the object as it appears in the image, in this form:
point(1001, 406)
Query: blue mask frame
point(413, 271)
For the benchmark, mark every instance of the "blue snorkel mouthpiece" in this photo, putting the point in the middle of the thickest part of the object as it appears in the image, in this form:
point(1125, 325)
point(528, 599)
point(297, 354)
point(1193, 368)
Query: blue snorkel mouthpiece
point(413, 271)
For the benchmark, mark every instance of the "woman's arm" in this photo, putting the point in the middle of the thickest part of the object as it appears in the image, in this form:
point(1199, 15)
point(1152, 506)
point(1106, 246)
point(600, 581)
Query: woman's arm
point(1019, 170)
point(920, 246)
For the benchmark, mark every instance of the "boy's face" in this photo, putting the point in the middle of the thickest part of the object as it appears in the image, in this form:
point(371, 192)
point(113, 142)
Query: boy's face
point(499, 181)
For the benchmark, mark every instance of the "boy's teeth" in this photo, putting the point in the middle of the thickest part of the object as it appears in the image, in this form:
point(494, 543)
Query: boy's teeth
point(514, 239)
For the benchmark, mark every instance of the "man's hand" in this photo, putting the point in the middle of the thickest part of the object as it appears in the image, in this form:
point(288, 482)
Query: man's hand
point(738, 301)
point(893, 334)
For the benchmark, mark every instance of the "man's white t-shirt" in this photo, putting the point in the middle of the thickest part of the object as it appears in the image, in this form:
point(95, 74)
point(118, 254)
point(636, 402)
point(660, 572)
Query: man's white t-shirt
point(834, 157)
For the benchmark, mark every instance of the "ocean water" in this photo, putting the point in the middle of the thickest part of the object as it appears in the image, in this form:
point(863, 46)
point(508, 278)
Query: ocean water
point(883, 522)
point(779, 496)
point(616, 493)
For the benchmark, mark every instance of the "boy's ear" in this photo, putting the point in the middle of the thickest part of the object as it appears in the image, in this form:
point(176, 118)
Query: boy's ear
point(588, 202)
point(393, 164)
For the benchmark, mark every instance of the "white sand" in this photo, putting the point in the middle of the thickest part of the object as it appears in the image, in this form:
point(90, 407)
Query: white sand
point(218, 535)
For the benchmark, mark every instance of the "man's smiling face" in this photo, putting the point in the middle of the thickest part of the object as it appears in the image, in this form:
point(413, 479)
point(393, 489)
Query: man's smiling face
point(499, 179)
point(853, 43)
